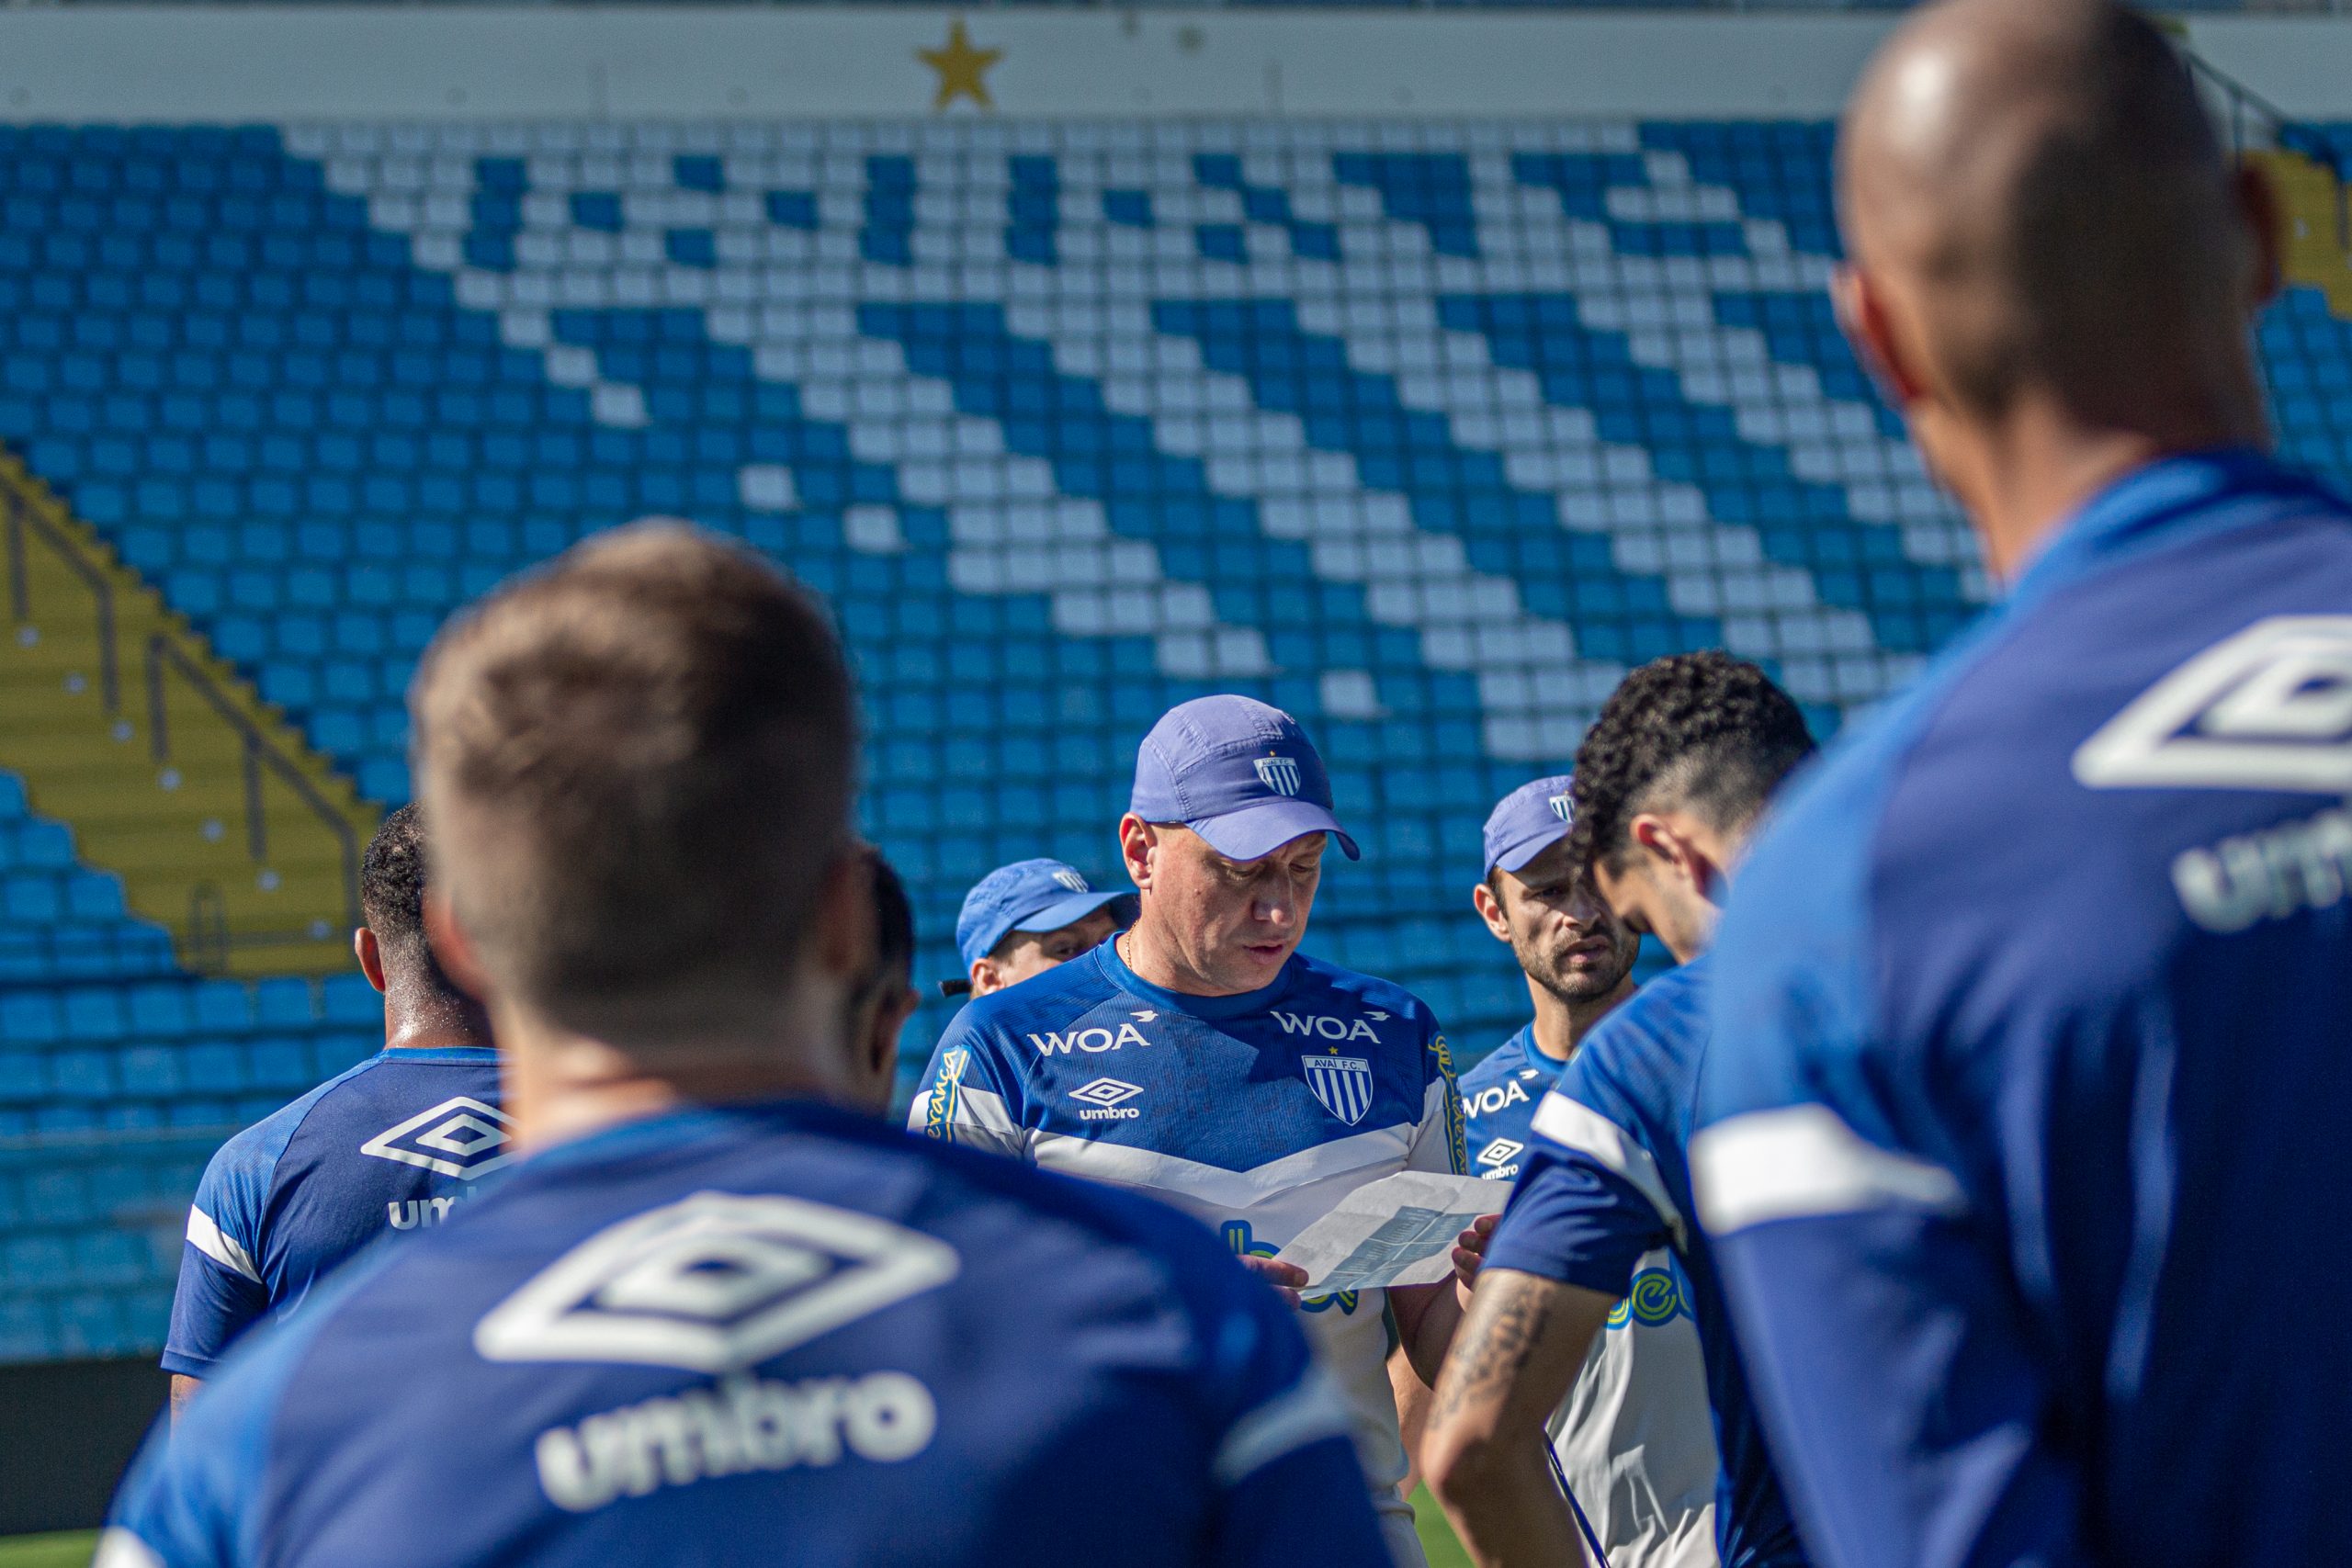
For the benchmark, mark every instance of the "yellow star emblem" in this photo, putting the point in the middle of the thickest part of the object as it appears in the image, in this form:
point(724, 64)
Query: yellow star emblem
point(961, 68)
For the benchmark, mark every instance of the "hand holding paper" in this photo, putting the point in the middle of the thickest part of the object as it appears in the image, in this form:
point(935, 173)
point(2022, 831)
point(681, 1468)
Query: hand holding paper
point(1399, 1230)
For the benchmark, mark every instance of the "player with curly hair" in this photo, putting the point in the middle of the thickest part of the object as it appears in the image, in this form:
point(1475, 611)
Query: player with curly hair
point(1668, 784)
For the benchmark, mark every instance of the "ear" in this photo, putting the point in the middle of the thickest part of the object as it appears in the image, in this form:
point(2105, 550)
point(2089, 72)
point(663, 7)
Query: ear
point(1491, 909)
point(1661, 838)
point(985, 976)
point(1137, 840)
point(843, 929)
point(371, 956)
point(2265, 223)
point(451, 948)
point(1869, 327)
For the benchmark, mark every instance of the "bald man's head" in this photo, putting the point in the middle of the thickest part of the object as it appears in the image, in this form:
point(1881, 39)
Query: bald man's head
point(2035, 196)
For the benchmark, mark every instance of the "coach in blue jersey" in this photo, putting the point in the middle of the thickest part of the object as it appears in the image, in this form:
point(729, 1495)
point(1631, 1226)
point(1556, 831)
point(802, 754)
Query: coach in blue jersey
point(706, 1317)
point(385, 1149)
point(1021, 919)
point(2025, 1147)
point(1200, 1057)
point(1670, 784)
point(1634, 1435)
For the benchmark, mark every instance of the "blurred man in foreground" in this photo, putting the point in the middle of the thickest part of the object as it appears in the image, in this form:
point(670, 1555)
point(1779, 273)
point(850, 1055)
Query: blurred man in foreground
point(1200, 1056)
point(2034, 1007)
point(385, 1148)
point(709, 1317)
point(1670, 784)
point(1021, 919)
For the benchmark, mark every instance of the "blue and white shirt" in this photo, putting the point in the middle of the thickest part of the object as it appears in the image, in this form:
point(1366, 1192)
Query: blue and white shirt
point(1254, 1113)
point(1603, 1204)
point(765, 1333)
point(2024, 1140)
point(1499, 1095)
point(388, 1148)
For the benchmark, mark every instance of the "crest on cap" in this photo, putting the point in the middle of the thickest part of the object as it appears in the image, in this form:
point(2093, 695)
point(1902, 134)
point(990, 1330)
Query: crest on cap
point(1072, 881)
point(1279, 774)
point(1563, 806)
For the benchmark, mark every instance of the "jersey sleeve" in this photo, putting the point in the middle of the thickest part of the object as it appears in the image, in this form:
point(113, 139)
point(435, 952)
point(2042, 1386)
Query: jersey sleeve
point(195, 1496)
point(1589, 1204)
point(1442, 1141)
point(1885, 1341)
point(969, 1094)
point(220, 1291)
point(1288, 1488)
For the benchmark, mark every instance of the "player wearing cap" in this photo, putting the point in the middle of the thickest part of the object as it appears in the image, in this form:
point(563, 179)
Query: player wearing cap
point(1635, 1441)
point(709, 1317)
point(1021, 919)
point(1669, 781)
point(385, 1148)
point(1200, 1057)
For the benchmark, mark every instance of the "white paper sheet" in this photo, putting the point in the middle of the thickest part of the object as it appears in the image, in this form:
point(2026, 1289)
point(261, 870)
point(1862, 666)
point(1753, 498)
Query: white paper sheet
point(1395, 1231)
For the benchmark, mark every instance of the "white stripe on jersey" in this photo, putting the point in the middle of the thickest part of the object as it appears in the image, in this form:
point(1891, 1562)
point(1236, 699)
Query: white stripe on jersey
point(1579, 1127)
point(1803, 1161)
point(1310, 1412)
point(117, 1548)
point(208, 1238)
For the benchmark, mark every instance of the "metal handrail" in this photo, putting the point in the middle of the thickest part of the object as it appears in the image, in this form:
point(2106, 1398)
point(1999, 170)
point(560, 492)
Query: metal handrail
point(260, 750)
point(2284, 132)
point(67, 549)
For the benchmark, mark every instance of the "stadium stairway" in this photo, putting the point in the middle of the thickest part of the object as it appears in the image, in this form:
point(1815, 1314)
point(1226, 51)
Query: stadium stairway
point(220, 823)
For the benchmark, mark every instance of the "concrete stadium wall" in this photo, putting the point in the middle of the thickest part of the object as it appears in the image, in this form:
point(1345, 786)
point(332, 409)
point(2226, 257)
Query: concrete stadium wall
point(182, 62)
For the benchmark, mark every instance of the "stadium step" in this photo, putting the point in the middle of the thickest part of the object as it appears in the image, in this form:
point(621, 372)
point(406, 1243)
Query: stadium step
point(223, 826)
point(2318, 251)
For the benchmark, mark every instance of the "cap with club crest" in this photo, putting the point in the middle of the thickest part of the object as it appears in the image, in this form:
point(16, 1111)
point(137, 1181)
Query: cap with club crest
point(1529, 820)
point(1027, 895)
point(1240, 774)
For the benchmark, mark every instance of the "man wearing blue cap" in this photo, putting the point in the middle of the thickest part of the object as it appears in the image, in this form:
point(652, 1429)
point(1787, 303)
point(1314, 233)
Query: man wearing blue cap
point(1635, 1438)
point(1200, 1057)
point(1021, 919)
point(1577, 957)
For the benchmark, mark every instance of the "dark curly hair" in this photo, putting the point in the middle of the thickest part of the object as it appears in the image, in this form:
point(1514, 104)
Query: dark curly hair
point(392, 899)
point(1705, 732)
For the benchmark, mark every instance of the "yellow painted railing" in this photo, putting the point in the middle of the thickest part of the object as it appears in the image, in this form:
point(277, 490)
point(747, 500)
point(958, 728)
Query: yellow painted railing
point(223, 824)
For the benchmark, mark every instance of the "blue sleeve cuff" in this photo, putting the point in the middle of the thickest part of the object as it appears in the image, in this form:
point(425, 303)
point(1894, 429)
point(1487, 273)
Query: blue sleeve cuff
point(1574, 1221)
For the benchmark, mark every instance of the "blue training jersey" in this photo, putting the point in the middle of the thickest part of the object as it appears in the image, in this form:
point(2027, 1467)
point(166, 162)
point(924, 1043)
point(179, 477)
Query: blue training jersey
point(1604, 1204)
point(1499, 1097)
point(768, 1334)
point(2025, 1130)
point(1634, 1436)
point(1255, 1113)
point(385, 1148)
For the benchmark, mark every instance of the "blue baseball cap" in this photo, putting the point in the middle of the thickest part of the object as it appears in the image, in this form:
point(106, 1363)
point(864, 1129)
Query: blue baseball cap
point(1027, 895)
point(1240, 773)
point(1530, 819)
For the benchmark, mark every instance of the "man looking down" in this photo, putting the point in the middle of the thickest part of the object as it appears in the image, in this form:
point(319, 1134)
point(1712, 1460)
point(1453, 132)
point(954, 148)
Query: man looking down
point(1200, 1057)
point(1669, 783)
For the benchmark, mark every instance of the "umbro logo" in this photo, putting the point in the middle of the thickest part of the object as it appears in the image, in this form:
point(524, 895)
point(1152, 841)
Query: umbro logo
point(713, 1283)
point(1279, 774)
point(460, 1137)
point(2270, 708)
point(1105, 1100)
point(1502, 1151)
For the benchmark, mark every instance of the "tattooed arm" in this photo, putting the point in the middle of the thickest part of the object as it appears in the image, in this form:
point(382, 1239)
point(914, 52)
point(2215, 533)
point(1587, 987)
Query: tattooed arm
point(1485, 1454)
